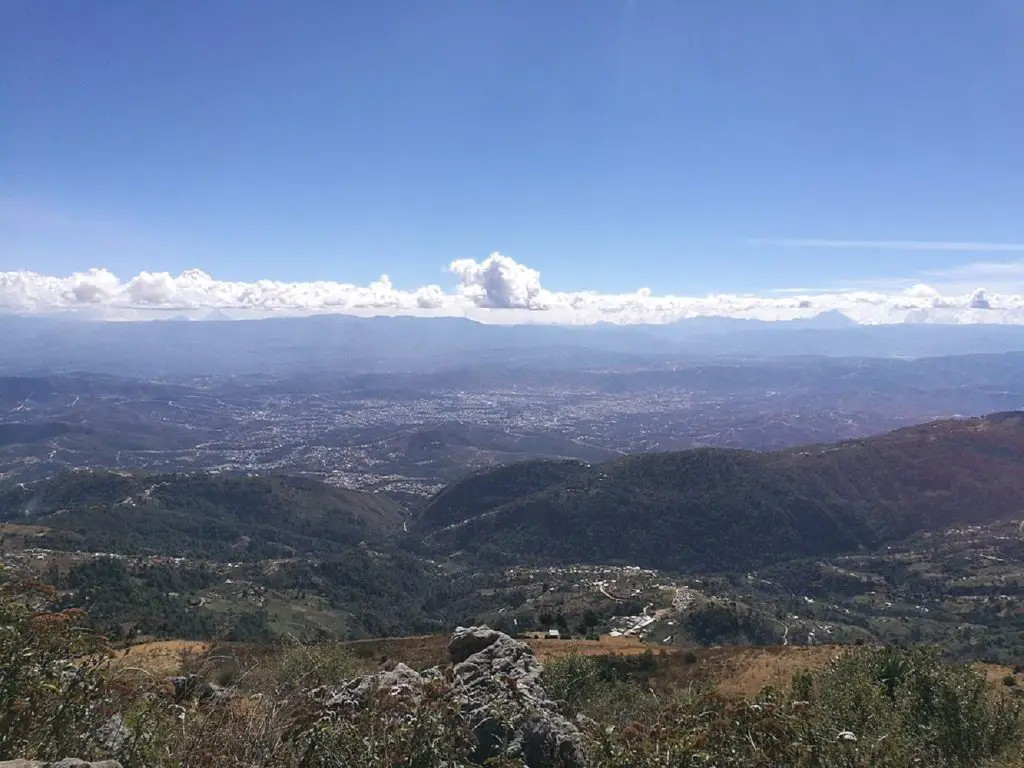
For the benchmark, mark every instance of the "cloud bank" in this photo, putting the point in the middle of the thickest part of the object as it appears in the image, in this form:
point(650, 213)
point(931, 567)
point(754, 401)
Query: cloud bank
point(496, 289)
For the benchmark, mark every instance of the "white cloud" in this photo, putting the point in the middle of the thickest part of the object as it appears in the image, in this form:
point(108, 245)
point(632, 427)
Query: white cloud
point(496, 289)
point(194, 289)
point(979, 300)
point(498, 282)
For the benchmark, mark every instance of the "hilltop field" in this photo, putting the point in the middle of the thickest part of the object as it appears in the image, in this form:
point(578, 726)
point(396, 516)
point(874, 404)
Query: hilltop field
point(737, 671)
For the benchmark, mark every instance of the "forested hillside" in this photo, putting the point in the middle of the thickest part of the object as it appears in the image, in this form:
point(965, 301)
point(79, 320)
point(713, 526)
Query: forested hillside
point(199, 515)
point(493, 487)
point(711, 509)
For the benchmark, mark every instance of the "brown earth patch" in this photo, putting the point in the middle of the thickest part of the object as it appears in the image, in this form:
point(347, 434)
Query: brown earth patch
point(747, 670)
point(424, 651)
point(161, 658)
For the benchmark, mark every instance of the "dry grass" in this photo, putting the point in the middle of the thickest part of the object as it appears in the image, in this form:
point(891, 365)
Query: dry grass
point(745, 671)
point(419, 652)
point(736, 670)
point(160, 658)
point(624, 646)
point(994, 673)
point(21, 529)
point(423, 651)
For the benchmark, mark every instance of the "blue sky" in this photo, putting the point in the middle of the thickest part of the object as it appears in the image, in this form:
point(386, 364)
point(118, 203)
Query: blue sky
point(609, 144)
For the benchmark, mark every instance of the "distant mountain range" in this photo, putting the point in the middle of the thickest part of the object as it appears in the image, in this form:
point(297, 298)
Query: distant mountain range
point(336, 342)
point(713, 509)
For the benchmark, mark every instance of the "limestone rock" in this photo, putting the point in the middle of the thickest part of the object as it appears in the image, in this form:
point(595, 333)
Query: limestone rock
point(399, 681)
point(502, 685)
point(466, 641)
point(194, 687)
point(497, 683)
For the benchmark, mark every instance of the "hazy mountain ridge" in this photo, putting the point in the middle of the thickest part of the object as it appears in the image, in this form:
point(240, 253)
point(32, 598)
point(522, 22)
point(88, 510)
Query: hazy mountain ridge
point(318, 343)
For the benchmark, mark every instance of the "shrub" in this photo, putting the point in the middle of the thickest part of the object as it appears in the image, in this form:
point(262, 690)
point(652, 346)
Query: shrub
point(573, 678)
point(302, 666)
point(880, 707)
point(51, 681)
point(58, 697)
point(392, 731)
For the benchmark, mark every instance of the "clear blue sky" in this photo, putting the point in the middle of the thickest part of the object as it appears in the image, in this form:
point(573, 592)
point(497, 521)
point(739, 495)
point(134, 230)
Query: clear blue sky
point(609, 144)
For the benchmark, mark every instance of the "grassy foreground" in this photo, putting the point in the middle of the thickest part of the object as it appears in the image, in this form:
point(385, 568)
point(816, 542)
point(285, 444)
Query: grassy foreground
point(60, 696)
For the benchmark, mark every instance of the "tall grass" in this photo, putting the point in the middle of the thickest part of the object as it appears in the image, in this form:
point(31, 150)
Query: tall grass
point(891, 708)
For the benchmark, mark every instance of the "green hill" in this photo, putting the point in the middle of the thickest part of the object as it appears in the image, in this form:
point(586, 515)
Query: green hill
point(221, 517)
point(712, 509)
point(492, 487)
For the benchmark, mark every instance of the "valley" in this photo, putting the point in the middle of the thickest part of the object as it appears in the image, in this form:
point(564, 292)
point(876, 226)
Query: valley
point(648, 545)
point(248, 559)
point(411, 432)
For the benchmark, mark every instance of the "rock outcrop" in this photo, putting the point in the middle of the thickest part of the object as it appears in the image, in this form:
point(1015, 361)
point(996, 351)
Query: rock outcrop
point(400, 681)
point(188, 687)
point(498, 685)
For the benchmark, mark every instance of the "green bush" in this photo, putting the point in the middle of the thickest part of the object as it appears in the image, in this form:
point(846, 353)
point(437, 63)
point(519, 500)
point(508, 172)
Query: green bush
point(392, 731)
point(573, 679)
point(887, 708)
point(50, 678)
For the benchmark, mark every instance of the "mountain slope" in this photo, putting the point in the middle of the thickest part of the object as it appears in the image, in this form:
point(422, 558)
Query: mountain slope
point(719, 509)
point(215, 516)
point(494, 487)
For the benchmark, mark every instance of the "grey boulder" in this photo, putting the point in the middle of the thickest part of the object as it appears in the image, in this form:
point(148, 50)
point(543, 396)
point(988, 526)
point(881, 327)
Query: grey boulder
point(498, 685)
point(400, 681)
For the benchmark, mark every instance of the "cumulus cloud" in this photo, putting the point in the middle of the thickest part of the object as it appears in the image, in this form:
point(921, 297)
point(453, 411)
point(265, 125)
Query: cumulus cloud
point(979, 300)
point(495, 289)
point(498, 282)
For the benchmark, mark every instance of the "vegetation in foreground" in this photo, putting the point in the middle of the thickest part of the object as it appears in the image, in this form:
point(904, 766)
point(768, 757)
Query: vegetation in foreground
point(884, 707)
point(870, 707)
